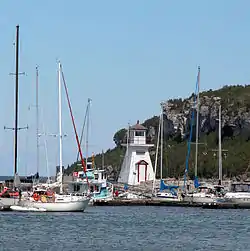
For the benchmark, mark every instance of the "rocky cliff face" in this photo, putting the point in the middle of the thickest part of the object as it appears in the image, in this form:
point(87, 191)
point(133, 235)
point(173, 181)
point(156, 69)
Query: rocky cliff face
point(177, 117)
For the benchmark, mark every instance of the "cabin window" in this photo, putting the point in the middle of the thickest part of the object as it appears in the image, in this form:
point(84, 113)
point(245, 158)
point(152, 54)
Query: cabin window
point(139, 133)
point(102, 176)
point(140, 152)
point(96, 176)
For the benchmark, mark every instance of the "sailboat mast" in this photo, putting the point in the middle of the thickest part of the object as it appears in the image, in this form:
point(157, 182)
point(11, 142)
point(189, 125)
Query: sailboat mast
point(197, 123)
point(87, 133)
point(60, 126)
point(16, 102)
point(102, 160)
point(157, 150)
point(161, 140)
point(37, 123)
point(220, 157)
point(83, 127)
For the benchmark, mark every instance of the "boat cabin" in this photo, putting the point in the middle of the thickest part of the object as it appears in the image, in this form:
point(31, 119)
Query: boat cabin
point(216, 189)
point(77, 187)
point(240, 187)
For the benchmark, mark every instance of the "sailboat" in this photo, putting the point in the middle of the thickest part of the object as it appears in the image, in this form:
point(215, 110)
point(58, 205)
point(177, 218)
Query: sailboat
point(171, 195)
point(48, 201)
point(203, 193)
point(100, 188)
point(11, 196)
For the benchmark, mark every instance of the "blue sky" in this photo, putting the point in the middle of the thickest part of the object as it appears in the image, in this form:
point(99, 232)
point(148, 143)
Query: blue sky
point(127, 56)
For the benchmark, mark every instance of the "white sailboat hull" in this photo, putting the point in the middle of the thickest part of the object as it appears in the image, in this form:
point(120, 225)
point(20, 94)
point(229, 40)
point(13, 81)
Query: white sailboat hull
point(73, 206)
point(7, 202)
point(166, 199)
point(199, 198)
point(27, 209)
point(162, 196)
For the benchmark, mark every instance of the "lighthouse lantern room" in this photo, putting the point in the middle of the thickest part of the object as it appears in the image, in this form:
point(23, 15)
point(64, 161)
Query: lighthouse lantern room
point(137, 166)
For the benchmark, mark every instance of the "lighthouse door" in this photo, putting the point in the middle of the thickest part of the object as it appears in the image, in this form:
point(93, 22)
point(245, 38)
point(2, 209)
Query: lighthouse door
point(141, 171)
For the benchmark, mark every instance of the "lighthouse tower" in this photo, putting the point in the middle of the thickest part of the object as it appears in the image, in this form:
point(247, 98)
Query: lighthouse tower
point(137, 166)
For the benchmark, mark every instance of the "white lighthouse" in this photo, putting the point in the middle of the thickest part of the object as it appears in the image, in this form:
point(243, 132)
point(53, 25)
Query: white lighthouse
point(137, 166)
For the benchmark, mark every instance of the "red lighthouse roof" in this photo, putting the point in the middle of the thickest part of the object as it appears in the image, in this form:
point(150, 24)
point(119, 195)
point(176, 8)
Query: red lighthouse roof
point(138, 126)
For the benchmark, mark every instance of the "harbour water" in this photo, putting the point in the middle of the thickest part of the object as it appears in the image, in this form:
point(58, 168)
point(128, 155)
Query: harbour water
point(127, 228)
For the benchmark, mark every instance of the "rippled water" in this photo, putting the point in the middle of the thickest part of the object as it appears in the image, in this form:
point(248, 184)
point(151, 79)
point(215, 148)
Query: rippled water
point(127, 228)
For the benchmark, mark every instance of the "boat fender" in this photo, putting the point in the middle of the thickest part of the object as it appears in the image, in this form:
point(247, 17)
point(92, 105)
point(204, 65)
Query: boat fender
point(35, 196)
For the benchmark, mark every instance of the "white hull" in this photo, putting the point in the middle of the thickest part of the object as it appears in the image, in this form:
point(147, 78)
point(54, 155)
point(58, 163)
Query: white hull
point(166, 199)
point(27, 209)
point(199, 199)
point(7, 202)
point(93, 200)
point(242, 198)
point(73, 206)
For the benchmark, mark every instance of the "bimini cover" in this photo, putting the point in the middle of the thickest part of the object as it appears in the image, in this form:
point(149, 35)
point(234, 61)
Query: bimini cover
point(196, 182)
point(172, 188)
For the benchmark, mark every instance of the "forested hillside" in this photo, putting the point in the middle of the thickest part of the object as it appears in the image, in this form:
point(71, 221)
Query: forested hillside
point(235, 102)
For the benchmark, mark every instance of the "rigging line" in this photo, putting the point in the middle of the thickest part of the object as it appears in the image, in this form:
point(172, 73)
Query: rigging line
point(84, 123)
point(87, 135)
point(157, 150)
point(26, 146)
point(82, 132)
point(73, 122)
point(45, 146)
point(190, 135)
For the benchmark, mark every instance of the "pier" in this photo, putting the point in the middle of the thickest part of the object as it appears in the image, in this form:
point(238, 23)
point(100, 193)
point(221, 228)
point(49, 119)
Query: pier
point(144, 202)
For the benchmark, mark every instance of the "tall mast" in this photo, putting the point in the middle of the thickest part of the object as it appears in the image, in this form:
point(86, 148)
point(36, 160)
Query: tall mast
point(128, 137)
point(161, 140)
point(16, 102)
point(37, 123)
point(197, 123)
point(60, 125)
point(220, 157)
point(102, 160)
point(157, 150)
point(87, 133)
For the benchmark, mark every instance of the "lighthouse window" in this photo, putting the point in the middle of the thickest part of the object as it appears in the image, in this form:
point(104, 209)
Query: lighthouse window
point(140, 152)
point(139, 133)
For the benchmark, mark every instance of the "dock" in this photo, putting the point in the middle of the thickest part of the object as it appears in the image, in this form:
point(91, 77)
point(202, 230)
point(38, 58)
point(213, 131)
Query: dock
point(225, 205)
point(153, 202)
point(144, 202)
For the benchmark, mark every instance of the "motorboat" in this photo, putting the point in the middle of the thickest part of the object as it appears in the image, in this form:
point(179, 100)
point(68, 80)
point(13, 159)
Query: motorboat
point(239, 193)
point(204, 194)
